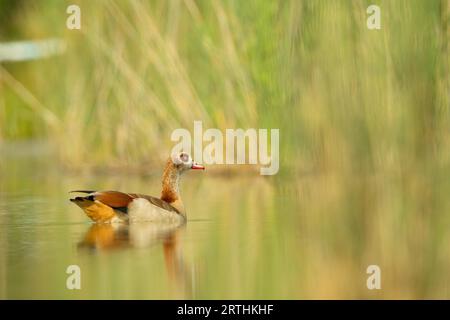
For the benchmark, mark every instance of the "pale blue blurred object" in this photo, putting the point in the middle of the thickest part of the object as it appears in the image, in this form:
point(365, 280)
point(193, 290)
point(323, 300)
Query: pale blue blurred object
point(31, 50)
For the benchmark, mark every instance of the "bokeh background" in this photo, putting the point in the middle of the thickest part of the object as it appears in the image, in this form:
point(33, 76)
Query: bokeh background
point(364, 147)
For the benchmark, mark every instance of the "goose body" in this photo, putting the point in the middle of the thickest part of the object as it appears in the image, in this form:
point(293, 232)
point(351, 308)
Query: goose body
point(116, 206)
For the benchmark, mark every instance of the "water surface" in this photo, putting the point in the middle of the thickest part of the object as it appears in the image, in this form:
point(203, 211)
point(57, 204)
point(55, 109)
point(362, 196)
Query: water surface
point(247, 237)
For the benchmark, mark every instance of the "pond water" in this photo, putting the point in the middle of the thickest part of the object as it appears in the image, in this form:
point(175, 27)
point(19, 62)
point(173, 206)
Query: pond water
point(247, 237)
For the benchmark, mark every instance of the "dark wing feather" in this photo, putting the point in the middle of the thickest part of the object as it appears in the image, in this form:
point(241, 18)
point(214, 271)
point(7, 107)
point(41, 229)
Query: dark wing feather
point(82, 191)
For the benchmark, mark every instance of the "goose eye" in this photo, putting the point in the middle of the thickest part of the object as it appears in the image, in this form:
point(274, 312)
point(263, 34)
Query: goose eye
point(184, 157)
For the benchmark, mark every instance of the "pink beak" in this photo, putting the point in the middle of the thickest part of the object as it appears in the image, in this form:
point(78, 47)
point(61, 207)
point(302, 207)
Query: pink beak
point(197, 167)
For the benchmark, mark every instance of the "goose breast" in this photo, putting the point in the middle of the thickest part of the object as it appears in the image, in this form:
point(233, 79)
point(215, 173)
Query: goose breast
point(140, 209)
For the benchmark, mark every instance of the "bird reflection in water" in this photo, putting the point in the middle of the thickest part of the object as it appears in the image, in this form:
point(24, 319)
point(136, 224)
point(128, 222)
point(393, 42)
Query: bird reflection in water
point(104, 237)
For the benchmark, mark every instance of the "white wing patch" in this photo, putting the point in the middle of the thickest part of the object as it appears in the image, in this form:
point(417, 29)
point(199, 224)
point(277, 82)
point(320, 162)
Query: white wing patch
point(141, 209)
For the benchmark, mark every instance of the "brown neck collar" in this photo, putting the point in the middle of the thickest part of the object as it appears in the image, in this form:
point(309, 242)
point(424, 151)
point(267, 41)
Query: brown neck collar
point(170, 186)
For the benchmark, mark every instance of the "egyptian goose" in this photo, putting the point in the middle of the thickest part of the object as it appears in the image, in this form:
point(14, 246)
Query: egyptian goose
point(115, 206)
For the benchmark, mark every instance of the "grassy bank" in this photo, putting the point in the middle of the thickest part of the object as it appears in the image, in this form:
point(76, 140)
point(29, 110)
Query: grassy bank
point(344, 97)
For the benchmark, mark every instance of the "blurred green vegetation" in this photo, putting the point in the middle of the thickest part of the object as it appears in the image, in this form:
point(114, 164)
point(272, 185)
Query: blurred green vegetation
point(344, 97)
point(363, 118)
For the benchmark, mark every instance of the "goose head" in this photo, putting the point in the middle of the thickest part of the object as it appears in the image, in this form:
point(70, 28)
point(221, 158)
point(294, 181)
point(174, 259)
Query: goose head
point(182, 162)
